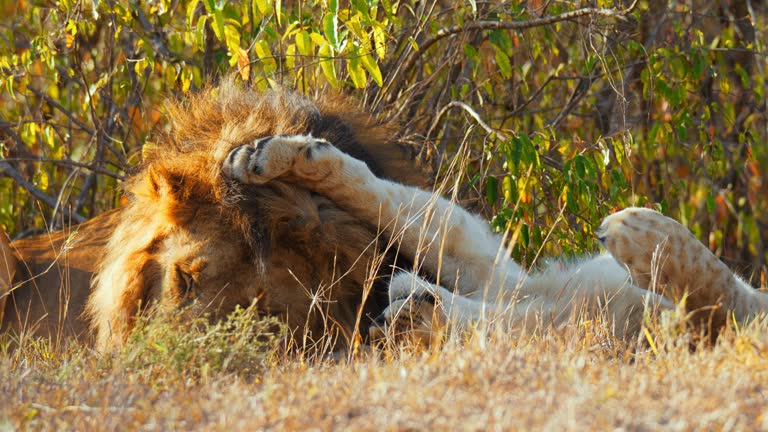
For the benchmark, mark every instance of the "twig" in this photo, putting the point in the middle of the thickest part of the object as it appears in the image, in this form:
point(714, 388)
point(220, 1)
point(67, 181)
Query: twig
point(8, 170)
point(469, 111)
point(63, 110)
point(578, 93)
point(85, 191)
point(152, 34)
point(6, 127)
point(69, 163)
point(410, 61)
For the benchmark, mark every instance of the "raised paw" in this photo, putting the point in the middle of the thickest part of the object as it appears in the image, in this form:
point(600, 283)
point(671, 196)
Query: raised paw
point(662, 255)
point(267, 158)
point(413, 314)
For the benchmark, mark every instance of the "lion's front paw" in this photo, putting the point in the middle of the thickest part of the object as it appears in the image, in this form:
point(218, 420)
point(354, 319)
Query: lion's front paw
point(268, 158)
point(413, 314)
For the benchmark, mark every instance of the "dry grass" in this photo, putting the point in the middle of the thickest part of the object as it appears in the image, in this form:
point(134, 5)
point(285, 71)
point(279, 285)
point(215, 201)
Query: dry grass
point(571, 379)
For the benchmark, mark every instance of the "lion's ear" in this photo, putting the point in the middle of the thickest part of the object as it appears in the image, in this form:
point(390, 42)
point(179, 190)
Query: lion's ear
point(165, 192)
point(157, 183)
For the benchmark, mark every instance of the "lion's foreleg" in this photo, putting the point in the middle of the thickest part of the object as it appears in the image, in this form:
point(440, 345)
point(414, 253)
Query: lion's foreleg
point(438, 235)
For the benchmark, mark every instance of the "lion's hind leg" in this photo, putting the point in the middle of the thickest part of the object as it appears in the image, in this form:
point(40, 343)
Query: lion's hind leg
point(422, 311)
point(662, 255)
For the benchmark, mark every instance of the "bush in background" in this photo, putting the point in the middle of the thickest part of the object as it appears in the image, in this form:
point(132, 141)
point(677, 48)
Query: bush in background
point(562, 112)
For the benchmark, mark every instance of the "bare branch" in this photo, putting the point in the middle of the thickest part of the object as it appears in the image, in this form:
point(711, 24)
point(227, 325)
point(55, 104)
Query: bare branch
point(469, 111)
point(63, 110)
point(8, 170)
point(578, 93)
point(69, 163)
point(411, 60)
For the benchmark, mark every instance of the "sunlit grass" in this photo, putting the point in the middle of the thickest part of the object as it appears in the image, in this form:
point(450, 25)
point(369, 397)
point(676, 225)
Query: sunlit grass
point(576, 378)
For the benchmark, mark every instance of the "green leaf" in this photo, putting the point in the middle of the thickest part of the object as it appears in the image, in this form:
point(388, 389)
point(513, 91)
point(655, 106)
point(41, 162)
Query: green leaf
point(491, 190)
point(218, 18)
point(579, 168)
point(509, 190)
point(373, 68)
point(331, 29)
point(505, 66)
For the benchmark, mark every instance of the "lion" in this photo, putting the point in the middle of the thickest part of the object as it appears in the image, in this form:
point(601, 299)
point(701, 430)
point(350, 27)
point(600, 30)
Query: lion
point(653, 261)
point(190, 240)
point(288, 205)
point(45, 279)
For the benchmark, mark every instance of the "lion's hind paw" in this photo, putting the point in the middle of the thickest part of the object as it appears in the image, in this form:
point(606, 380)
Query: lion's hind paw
point(413, 314)
point(661, 254)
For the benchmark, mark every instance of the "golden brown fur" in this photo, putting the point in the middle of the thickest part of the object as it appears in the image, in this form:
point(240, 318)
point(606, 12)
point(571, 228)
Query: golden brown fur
point(50, 278)
point(188, 239)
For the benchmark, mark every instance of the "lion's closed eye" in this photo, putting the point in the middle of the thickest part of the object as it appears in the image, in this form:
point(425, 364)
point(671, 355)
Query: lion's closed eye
point(185, 282)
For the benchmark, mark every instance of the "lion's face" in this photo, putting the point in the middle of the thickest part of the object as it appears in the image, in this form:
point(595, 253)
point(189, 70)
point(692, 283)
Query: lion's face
point(189, 240)
point(202, 267)
point(285, 251)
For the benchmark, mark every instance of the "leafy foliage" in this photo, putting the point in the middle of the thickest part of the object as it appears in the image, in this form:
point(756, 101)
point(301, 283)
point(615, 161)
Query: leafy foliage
point(559, 122)
point(244, 343)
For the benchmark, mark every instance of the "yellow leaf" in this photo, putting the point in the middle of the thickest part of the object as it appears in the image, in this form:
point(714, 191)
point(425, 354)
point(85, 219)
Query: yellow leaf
point(48, 137)
point(380, 41)
point(41, 180)
point(413, 43)
point(317, 38)
point(243, 64)
point(265, 56)
point(356, 72)
point(186, 82)
point(278, 10)
point(147, 149)
point(649, 338)
point(373, 68)
point(290, 56)
point(304, 43)
point(326, 63)
point(232, 39)
point(262, 6)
